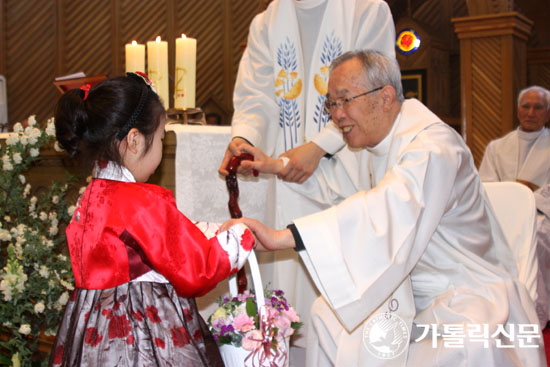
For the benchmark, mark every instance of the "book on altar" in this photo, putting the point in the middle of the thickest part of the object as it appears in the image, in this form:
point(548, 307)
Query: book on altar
point(76, 80)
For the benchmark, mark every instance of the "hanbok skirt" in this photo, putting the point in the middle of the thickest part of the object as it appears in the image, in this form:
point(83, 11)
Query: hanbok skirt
point(134, 324)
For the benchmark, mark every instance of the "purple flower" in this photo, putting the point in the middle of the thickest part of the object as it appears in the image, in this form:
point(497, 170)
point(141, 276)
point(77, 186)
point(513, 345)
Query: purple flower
point(226, 329)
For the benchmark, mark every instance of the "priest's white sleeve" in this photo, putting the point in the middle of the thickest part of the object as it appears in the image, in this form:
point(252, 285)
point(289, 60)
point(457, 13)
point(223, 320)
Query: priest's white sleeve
point(487, 168)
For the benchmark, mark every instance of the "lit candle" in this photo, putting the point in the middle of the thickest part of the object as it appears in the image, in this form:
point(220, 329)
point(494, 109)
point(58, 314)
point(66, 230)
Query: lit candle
point(186, 69)
point(135, 57)
point(157, 68)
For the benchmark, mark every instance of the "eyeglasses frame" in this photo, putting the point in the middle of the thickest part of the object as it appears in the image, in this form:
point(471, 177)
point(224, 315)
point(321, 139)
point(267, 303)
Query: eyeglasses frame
point(341, 102)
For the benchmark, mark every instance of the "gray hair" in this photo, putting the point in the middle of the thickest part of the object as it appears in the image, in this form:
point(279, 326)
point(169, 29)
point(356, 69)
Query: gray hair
point(545, 92)
point(380, 70)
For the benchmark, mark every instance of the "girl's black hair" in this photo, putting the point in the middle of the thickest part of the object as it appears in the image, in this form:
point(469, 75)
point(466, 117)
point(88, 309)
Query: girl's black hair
point(92, 126)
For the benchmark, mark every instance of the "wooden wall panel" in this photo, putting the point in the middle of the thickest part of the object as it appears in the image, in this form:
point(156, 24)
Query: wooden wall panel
point(30, 58)
point(486, 93)
point(87, 37)
point(198, 20)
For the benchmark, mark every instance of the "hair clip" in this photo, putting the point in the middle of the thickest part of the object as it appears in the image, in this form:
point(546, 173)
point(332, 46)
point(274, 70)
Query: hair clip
point(142, 76)
point(86, 88)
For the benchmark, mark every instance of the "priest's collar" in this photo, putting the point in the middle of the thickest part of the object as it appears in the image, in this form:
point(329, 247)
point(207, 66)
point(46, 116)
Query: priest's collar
point(383, 147)
point(529, 135)
point(308, 4)
point(112, 171)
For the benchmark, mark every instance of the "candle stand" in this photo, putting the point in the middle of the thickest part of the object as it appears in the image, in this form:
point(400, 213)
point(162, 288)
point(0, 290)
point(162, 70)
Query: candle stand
point(188, 116)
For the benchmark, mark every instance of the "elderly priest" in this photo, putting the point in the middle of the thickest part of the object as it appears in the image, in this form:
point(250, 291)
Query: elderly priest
point(414, 271)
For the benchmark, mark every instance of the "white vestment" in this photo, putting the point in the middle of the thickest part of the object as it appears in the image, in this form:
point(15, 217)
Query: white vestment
point(426, 220)
point(278, 103)
point(501, 160)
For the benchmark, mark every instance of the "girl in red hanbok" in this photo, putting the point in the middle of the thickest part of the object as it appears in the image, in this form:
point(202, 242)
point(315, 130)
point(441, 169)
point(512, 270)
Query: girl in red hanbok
point(137, 261)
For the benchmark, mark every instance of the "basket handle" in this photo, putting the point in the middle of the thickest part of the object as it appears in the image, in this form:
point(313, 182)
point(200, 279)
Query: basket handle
point(256, 281)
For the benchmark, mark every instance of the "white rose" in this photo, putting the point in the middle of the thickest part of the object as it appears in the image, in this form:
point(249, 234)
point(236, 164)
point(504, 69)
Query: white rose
point(50, 128)
point(49, 243)
point(5, 235)
point(44, 271)
point(53, 231)
point(5, 288)
point(34, 199)
point(39, 307)
point(63, 299)
point(70, 210)
point(55, 199)
point(17, 159)
point(12, 139)
point(43, 216)
point(82, 189)
point(22, 179)
point(18, 128)
point(24, 140)
point(7, 218)
point(31, 121)
point(27, 190)
point(25, 329)
point(7, 166)
point(67, 285)
point(34, 152)
point(57, 147)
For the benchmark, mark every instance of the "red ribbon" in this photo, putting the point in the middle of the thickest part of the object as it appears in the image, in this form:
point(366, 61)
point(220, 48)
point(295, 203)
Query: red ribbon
point(86, 88)
point(268, 350)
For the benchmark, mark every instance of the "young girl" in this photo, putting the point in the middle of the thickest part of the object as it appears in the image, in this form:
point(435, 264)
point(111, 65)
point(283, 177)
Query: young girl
point(137, 261)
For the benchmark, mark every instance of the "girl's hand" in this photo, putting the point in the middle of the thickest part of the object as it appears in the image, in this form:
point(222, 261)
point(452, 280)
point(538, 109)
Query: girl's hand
point(268, 239)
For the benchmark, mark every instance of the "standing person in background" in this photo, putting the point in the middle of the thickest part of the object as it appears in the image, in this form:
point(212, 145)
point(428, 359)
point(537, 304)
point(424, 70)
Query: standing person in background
point(523, 155)
point(136, 259)
point(279, 98)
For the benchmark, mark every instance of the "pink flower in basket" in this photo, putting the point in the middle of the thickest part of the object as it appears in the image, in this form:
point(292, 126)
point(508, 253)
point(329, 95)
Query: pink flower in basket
point(236, 322)
point(243, 323)
point(252, 340)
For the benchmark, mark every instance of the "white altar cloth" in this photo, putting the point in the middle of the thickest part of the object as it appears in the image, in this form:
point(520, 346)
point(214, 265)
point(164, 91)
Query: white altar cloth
point(201, 193)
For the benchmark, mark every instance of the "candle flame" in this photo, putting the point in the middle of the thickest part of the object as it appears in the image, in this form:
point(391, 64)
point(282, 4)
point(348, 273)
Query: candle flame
point(183, 36)
point(158, 39)
point(134, 43)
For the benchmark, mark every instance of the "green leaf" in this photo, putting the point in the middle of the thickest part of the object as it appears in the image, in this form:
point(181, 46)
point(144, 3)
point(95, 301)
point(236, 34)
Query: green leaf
point(251, 309)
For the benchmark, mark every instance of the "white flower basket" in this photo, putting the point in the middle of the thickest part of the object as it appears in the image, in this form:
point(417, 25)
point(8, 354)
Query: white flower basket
point(237, 357)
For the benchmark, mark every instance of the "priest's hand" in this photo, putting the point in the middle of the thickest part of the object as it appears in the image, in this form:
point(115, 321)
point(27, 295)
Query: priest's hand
point(262, 162)
point(303, 161)
point(234, 149)
point(268, 239)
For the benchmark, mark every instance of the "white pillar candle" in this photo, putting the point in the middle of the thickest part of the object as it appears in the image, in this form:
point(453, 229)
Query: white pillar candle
point(186, 70)
point(135, 57)
point(157, 68)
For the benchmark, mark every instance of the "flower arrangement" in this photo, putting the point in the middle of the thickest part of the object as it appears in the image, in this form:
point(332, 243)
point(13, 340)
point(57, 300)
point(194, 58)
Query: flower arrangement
point(35, 273)
point(236, 322)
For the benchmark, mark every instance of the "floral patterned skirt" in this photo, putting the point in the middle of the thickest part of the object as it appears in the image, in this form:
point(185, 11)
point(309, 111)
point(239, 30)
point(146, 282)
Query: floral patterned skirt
point(134, 324)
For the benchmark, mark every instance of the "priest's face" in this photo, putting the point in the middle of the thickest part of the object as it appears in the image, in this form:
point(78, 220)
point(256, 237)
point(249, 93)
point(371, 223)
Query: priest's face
point(355, 108)
point(533, 111)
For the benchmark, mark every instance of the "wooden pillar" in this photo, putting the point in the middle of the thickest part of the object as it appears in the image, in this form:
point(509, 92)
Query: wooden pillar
point(493, 70)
